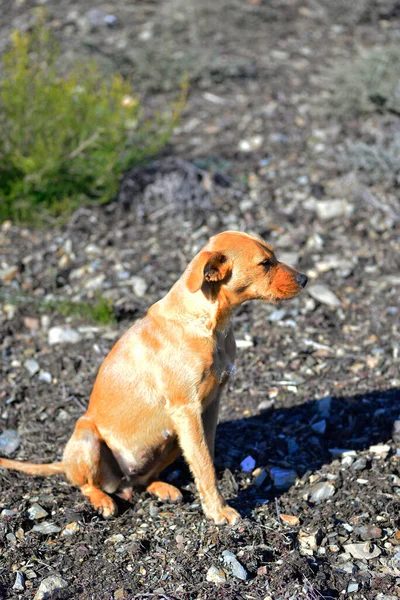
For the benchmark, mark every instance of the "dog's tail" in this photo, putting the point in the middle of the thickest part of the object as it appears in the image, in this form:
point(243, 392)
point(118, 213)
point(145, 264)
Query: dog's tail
point(32, 468)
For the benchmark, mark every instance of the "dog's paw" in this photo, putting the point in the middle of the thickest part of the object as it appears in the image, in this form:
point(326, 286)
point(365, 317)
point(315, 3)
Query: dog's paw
point(226, 515)
point(106, 506)
point(164, 491)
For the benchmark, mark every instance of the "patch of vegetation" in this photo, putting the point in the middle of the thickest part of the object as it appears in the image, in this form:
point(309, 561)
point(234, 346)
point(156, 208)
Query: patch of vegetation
point(100, 312)
point(370, 83)
point(377, 162)
point(67, 140)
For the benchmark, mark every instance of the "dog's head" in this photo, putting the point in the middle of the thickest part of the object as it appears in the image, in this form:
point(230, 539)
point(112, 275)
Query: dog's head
point(242, 267)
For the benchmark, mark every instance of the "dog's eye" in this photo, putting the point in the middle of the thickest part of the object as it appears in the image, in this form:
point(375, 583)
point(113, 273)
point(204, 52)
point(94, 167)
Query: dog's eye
point(265, 263)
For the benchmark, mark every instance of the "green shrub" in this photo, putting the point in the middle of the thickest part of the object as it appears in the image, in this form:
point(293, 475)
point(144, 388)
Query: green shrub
point(66, 140)
point(100, 310)
point(370, 83)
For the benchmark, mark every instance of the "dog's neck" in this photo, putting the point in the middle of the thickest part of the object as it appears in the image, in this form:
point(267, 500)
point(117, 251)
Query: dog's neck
point(198, 310)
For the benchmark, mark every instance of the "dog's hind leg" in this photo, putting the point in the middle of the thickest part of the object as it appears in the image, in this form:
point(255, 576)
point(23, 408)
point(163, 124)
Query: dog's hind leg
point(161, 489)
point(89, 465)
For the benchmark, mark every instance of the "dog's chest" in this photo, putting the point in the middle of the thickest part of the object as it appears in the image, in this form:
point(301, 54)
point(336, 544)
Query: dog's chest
point(223, 366)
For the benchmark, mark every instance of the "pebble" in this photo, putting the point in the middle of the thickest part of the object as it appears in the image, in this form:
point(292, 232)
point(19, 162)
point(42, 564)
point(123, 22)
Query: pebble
point(362, 551)
point(216, 575)
point(49, 586)
point(277, 315)
point(369, 532)
point(338, 452)
point(291, 520)
point(396, 431)
point(45, 376)
point(381, 450)
point(283, 478)
point(319, 427)
point(266, 404)
point(348, 567)
point(19, 585)
point(330, 209)
point(248, 464)
point(63, 335)
point(115, 539)
point(46, 528)
point(121, 594)
point(8, 273)
point(322, 491)
point(9, 442)
point(321, 293)
point(139, 286)
point(309, 541)
point(260, 477)
point(70, 529)
point(251, 144)
point(32, 323)
point(36, 512)
point(324, 406)
point(360, 464)
point(347, 461)
point(7, 512)
point(95, 283)
point(244, 344)
point(237, 569)
point(32, 366)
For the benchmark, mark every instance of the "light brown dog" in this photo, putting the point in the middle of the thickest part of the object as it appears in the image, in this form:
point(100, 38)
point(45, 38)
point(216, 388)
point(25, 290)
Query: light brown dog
point(157, 392)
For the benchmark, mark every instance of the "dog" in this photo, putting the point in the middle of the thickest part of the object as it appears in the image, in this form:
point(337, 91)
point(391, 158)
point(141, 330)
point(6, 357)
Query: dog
point(157, 392)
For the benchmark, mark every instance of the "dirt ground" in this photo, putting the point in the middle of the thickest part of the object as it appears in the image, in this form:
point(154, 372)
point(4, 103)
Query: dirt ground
point(315, 400)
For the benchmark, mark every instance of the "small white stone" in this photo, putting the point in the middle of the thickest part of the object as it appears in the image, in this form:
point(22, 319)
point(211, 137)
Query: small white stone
point(49, 586)
point(9, 442)
point(19, 585)
point(321, 293)
point(32, 366)
point(45, 376)
point(46, 528)
point(322, 491)
point(115, 539)
point(36, 512)
point(63, 335)
point(216, 575)
point(237, 569)
point(95, 283)
point(244, 344)
point(139, 286)
point(364, 551)
point(330, 209)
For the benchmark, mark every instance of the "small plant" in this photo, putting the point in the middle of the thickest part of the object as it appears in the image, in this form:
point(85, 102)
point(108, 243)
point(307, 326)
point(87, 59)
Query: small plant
point(377, 162)
point(100, 312)
point(370, 83)
point(66, 140)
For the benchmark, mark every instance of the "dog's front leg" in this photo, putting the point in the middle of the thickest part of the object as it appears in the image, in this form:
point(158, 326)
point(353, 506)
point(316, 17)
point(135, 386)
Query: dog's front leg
point(190, 431)
point(210, 422)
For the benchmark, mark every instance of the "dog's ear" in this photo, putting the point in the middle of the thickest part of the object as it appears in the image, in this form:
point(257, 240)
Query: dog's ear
point(208, 266)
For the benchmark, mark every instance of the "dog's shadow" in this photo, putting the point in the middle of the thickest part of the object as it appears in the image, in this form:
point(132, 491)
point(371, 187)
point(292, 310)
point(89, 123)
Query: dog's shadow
point(300, 438)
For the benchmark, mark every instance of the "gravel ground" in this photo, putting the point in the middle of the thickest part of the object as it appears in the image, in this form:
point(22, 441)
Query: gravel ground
point(308, 447)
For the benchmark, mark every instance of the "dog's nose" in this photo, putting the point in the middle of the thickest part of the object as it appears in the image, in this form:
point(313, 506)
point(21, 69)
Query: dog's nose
point(302, 279)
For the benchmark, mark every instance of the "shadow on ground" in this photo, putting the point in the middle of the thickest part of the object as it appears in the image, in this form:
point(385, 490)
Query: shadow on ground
point(286, 437)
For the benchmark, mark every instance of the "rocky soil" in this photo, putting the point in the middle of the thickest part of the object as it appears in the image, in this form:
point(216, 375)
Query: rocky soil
point(308, 447)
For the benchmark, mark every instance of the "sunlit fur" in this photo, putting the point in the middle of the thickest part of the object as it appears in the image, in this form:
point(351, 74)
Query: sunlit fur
point(157, 392)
